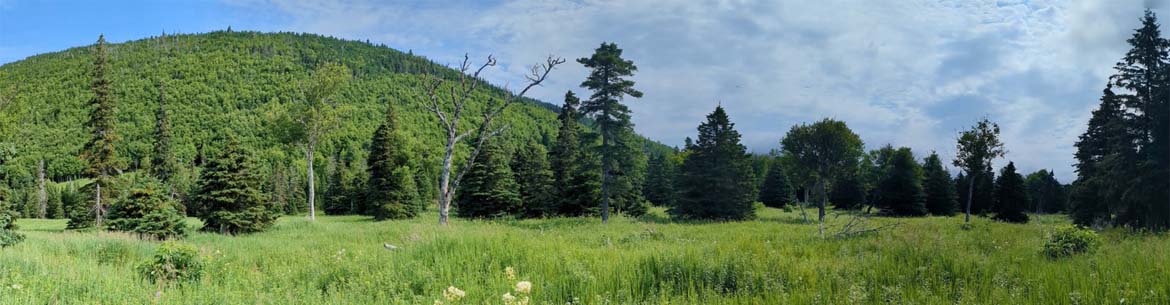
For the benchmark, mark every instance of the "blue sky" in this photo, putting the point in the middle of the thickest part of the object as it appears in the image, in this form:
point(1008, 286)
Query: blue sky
point(907, 72)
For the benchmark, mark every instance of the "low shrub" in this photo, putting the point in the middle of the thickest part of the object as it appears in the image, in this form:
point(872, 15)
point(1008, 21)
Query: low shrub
point(1070, 240)
point(172, 262)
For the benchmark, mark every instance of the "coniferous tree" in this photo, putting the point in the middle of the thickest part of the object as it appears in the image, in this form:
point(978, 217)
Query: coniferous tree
point(8, 234)
point(1098, 146)
point(847, 192)
point(531, 170)
point(777, 191)
point(229, 195)
point(902, 191)
point(1046, 194)
point(100, 153)
point(393, 193)
point(576, 184)
point(1011, 196)
point(660, 181)
point(163, 165)
point(941, 199)
point(149, 211)
point(490, 188)
point(717, 175)
point(612, 117)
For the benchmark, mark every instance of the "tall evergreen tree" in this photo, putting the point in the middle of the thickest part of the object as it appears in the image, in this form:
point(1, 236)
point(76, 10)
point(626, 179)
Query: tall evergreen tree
point(977, 148)
point(1046, 193)
point(777, 191)
point(609, 87)
point(902, 191)
point(490, 188)
point(8, 234)
point(229, 196)
point(531, 170)
point(149, 211)
point(941, 197)
point(100, 153)
point(392, 193)
point(1099, 145)
point(162, 164)
point(1011, 196)
point(717, 175)
point(576, 184)
point(660, 180)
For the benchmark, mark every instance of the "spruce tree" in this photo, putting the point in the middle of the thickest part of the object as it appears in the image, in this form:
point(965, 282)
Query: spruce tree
point(1088, 204)
point(776, 191)
point(576, 184)
point(8, 234)
point(1011, 196)
point(941, 199)
point(162, 164)
point(392, 193)
point(531, 170)
point(612, 118)
point(100, 153)
point(660, 181)
point(848, 192)
point(148, 211)
point(716, 177)
point(490, 188)
point(229, 195)
point(902, 191)
point(1046, 193)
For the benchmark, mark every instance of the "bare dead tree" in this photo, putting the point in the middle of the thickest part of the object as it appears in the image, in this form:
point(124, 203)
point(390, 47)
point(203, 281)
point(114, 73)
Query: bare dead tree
point(448, 106)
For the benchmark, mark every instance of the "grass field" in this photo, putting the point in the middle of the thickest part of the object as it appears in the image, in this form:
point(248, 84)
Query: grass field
point(776, 259)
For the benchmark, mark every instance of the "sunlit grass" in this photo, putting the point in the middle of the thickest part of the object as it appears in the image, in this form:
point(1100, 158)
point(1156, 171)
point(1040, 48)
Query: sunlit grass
point(776, 259)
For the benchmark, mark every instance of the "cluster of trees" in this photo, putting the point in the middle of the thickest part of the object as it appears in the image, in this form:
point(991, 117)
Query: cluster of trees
point(1123, 171)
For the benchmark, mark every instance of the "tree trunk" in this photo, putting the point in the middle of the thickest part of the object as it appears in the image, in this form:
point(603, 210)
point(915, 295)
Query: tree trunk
point(605, 169)
point(42, 196)
point(312, 183)
point(97, 207)
point(970, 196)
point(804, 202)
point(445, 179)
point(824, 198)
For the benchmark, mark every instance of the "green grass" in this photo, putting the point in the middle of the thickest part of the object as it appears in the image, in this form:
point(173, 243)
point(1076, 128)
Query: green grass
point(776, 259)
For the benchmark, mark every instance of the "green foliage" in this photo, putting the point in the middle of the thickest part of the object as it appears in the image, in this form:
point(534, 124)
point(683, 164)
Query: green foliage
point(1046, 194)
point(619, 154)
point(148, 211)
point(976, 149)
point(716, 181)
point(172, 263)
point(530, 168)
point(941, 197)
point(575, 178)
point(392, 192)
point(489, 189)
point(1011, 196)
point(8, 234)
point(847, 192)
point(821, 152)
point(1070, 240)
point(229, 200)
point(776, 191)
point(901, 187)
point(661, 173)
point(162, 163)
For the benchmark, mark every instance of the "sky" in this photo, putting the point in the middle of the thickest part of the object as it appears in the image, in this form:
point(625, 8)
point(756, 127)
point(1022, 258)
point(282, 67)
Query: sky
point(905, 72)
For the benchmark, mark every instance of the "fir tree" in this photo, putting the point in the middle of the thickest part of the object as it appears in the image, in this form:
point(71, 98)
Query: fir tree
point(8, 234)
point(393, 193)
point(490, 188)
point(660, 180)
point(941, 197)
point(148, 211)
point(717, 175)
point(776, 191)
point(576, 184)
point(163, 165)
point(902, 191)
point(531, 170)
point(229, 195)
point(1011, 196)
point(612, 117)
point(100, 153)
point(1088, 204)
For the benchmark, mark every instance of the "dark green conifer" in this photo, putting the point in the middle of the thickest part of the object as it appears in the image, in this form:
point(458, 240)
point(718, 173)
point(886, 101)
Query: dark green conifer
point(1011, 196)
point(229, 197)
point(716, 178)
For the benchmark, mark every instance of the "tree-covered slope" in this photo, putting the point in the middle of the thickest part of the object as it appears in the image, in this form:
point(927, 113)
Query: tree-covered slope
point(239, 82)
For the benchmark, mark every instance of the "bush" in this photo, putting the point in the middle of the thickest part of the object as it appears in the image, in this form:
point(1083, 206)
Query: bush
point(172, 262)
point(1070, 240)
point(8, 235)
point(149, 212)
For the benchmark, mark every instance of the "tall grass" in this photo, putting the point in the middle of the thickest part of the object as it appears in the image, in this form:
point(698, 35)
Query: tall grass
point(776, 259)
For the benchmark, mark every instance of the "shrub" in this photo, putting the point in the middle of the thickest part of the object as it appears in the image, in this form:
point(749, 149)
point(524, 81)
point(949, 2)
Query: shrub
point(8, 235)
point(1070, 240)
point(149, 212)
point(172, 262)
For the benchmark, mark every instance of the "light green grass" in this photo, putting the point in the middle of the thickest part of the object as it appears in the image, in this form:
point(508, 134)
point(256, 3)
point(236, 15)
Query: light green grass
point(776, 259)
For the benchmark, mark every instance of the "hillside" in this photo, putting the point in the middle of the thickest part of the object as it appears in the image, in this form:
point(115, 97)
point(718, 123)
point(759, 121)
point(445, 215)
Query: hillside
point(222, 82)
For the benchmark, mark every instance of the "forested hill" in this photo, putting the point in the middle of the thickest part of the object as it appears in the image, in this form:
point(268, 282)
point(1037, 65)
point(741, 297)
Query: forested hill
point(219, 82)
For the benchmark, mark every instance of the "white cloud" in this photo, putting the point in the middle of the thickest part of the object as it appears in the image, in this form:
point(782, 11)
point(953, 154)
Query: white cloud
point(904, 72)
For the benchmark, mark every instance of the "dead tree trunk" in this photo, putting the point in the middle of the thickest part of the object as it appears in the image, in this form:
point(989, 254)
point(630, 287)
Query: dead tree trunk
point(449, 106)
point(312, 182)
point(970, 196)
point(42, 195)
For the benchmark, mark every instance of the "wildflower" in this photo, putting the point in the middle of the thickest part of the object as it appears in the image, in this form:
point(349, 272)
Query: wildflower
point(17, 287)
point(524, 287)
point(510, 272)
point(509, 298)
point(453, 294)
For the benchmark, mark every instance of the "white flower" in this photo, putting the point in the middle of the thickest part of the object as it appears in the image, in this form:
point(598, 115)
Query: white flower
point(509, 298)
point(524, 287)
point(17, 286)
point(453, 294)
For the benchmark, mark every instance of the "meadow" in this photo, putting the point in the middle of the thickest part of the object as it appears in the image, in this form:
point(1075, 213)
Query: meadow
point(775, 259)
